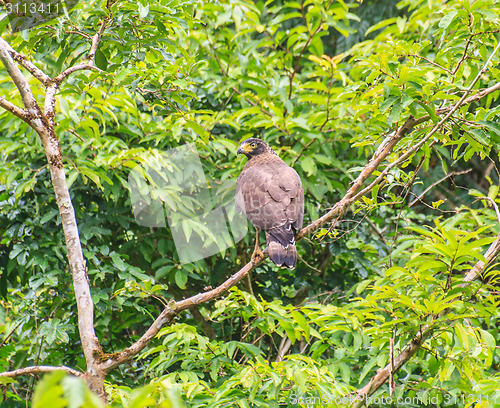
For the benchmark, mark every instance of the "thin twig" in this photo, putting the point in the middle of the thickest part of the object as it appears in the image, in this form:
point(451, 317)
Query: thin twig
point(430, 62)
point(53, 86)
point(96, 39)
point(84, 35)
point(452, 174)
point(299, 58)
point(302, 151)
point(39, 370)
point(6, 338)
point(464, 55)
point(392, 383)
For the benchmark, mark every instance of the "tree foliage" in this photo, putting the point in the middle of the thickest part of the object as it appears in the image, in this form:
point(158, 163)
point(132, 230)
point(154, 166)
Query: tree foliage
point(327, 93)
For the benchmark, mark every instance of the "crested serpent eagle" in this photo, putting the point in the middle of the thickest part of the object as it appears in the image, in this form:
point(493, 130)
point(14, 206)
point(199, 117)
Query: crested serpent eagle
point(270, 194)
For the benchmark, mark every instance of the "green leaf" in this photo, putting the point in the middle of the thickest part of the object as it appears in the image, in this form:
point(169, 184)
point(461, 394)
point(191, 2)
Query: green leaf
point(430, 110)
point(54, 331)
point(250, 349)
point(49, 392)
point(363, 285)
point(163, 271)
point(197, 128)
point(181, 277)
point(396, 112)
point(381, 24)
point(91, 174)
point(493, 126)
point(366, 368)
point(75, 391)
point(301, 321)
point(101, 61)
point(401, 24)
point(308, 165)
point(447, 19)
point(489, 339)
point(388, 103)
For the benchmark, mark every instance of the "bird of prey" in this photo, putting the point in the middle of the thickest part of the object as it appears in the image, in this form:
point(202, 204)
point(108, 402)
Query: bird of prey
point(270, 194)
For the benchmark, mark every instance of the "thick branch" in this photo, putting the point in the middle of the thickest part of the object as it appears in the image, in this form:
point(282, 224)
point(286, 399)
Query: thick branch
point(39, 370)
point(20, 81)
point(15, 110)
point(50, 101)
point(170, 312)
point(28, 65)
point(383, 151)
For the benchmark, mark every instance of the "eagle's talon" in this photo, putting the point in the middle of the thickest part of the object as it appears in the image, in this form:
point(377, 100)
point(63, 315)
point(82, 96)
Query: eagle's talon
point(257, 256)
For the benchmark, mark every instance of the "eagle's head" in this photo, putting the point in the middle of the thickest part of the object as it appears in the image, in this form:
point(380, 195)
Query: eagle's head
point(253, 147)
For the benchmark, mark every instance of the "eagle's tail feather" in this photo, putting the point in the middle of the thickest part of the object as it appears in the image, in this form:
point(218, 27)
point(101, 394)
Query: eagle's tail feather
point(280, 254)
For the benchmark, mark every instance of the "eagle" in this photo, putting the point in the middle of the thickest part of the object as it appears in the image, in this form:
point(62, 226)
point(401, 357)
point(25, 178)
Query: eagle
point(270, 194)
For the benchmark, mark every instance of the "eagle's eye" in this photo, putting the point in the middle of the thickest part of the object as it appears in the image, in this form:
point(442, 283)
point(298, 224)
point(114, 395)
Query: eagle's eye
point(253, 145)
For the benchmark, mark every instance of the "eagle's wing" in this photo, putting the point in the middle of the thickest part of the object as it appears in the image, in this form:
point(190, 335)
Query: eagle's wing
point(271, 196)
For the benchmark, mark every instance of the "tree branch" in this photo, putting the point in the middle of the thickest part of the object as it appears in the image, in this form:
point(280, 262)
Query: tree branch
point(53, 86)
point(20, 81)
point(416, 343)
point(28, 65)
point(96, 39)
point(15, 110)
point(175, 308)
point(491, 254)
point(39, 370)
point(382, 152)
point(452, 174)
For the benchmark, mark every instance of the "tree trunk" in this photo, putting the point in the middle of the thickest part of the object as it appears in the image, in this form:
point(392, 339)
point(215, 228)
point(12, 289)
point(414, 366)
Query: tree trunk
point(43, 124)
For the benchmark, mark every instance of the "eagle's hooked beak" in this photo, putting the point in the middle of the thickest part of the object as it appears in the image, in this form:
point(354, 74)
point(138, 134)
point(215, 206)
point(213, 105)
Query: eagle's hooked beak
point(244, 149)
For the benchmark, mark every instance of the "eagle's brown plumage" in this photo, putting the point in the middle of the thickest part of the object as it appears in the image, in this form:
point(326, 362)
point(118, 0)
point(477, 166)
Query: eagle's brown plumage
point(270, 194)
